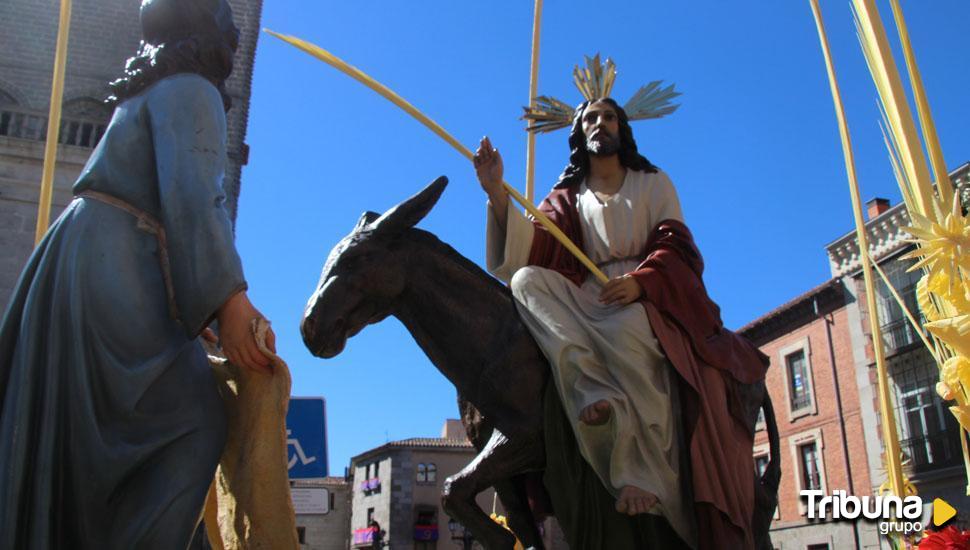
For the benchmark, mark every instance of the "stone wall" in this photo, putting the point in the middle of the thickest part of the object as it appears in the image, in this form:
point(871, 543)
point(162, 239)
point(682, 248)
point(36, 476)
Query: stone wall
point(329, 531)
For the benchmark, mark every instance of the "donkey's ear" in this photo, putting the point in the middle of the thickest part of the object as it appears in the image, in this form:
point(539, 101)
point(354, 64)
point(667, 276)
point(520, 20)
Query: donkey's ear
point(410, 212)
point(366, 219)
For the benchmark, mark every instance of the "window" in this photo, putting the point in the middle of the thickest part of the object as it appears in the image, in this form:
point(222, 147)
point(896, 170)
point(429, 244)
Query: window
point(372, 482)
point(762, 457)
point(929, 435)
point(425, 529)
point(760, 465)
point(370, 516)
point(426, 517)
point(796, 368)
point(798, 390)
point(809, 460)
point(427, 473)
point(24, 125)
point(809, 466)
point(301, 534)
point(897, 331)
point(823, 546)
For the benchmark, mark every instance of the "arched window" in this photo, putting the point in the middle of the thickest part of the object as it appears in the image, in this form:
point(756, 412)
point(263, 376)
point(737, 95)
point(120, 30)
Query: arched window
point(432, 472)
point(422, 473)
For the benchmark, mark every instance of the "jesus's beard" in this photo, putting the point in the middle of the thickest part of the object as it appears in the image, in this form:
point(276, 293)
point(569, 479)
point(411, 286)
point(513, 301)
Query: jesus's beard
point(604, 145)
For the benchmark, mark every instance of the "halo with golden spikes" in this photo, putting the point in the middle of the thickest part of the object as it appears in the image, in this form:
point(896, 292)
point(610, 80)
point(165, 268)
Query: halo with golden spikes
point(595, 81)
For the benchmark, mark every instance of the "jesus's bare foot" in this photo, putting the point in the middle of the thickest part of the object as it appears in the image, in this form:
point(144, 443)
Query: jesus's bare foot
point(633, 501)
point(597, 413)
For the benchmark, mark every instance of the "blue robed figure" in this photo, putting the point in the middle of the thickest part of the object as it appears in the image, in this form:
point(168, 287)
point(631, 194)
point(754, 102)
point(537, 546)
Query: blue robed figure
point(111, 426)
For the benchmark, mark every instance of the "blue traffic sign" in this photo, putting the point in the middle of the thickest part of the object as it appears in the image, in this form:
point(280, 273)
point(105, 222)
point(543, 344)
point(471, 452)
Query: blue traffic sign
point(306, 438)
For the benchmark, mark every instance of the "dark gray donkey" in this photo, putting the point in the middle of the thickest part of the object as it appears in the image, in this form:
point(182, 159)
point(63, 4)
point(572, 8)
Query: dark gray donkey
point(467, 324)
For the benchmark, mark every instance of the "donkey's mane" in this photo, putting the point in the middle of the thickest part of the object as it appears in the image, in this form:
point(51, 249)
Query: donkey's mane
point(430, 240)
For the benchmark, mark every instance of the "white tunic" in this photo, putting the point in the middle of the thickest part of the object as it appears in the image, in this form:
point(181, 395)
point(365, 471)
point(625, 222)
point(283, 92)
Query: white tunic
point(599, 351)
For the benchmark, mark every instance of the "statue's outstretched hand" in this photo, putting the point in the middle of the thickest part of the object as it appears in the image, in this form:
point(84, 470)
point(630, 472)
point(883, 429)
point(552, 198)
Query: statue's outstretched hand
point(489, 169)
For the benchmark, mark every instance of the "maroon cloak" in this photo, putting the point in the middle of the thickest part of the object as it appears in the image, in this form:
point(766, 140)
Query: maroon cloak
point(710, 360)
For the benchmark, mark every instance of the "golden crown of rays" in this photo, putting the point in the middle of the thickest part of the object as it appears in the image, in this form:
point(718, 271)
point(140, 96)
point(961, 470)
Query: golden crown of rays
point(595, 81)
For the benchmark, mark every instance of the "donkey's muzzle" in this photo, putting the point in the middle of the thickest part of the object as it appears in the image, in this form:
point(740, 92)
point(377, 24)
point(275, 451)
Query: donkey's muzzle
point(307, 329)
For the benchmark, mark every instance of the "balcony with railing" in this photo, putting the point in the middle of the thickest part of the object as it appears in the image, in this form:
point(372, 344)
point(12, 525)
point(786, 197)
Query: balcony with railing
point(22, 124)
point(928, 432)
point(932, 451)
point(897, 332)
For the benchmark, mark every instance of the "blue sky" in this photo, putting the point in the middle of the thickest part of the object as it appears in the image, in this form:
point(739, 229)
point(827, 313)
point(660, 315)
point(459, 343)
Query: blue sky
point(753, 151)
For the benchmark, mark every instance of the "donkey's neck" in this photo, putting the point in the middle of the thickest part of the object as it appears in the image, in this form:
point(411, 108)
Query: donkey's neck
point(456, 312)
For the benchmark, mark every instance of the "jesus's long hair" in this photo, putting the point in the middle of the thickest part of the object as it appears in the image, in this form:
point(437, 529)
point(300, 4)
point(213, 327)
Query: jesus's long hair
point(578, 166)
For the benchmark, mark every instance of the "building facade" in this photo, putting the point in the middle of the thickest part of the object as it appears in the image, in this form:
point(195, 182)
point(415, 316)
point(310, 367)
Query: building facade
point(322, 525)
point(398, 486)
point(823, 385)
point(103, 34)
point(397, 495)
point(813, 384)
point(929, 434)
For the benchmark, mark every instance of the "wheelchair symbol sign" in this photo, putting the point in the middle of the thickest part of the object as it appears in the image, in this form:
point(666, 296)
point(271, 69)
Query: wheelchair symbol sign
point(298, 453)
point(306, 450)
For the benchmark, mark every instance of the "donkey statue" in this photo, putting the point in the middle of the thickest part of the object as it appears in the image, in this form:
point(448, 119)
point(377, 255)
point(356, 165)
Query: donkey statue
point(467, 324)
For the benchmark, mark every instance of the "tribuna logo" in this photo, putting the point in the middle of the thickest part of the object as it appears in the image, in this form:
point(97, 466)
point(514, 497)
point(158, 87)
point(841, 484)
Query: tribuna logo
point(895, 514)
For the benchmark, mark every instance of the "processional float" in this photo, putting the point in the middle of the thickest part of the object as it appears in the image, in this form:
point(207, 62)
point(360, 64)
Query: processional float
point(940, 230)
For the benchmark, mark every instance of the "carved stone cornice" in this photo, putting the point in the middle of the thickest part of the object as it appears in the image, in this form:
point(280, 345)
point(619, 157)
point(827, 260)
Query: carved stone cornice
point(886, 236)
point(885, 232)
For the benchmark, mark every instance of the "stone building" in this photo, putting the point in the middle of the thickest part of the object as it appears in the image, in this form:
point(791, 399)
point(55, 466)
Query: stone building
point(325, 527)
point(398, 485)
point(824, 388)
point(103, 34)
point(928, 432)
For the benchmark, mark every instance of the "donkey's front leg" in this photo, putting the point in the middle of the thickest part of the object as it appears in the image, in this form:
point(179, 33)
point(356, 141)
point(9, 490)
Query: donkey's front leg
point(499, 460)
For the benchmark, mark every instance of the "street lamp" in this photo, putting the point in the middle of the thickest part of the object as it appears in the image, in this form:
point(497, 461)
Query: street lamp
point(460, 533)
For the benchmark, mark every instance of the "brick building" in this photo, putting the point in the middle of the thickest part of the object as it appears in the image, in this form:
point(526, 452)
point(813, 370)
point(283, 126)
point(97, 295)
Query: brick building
point(824, 389)
point(103, 34)
point(928, 433)
point(814, 389)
